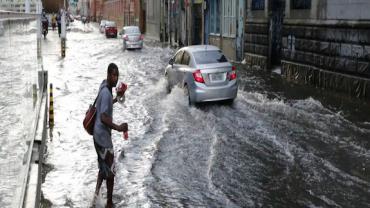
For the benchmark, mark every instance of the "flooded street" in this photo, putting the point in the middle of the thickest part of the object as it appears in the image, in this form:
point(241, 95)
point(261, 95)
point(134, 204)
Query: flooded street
point(277, 145)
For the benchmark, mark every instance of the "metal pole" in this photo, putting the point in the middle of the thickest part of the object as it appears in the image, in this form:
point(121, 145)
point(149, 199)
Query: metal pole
point(63, 34)
point(38, 11)
point(129, 12)
point(168, 22)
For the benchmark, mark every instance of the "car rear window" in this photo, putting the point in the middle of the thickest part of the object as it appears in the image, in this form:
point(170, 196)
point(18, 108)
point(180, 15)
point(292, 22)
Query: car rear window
point(110, 24)
point(131, 30)
point(209, 57)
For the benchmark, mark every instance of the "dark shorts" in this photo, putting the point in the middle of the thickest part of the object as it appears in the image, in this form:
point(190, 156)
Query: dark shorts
point(105, 161)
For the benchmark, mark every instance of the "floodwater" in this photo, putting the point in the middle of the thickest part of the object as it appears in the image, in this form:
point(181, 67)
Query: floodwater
point(277, 145)
point(18, 72)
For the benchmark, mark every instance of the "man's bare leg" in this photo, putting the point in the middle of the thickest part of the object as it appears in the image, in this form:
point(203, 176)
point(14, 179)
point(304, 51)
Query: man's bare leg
point(99, 182)
point(110, 182)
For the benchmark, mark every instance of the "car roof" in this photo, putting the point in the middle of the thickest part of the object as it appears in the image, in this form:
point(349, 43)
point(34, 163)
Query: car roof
point(195, 48)
point(128, 27)
point(110, 23)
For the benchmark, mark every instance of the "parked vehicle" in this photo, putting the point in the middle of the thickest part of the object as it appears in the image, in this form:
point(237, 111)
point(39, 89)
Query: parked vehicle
point(102, 26)
point(110, 29)
point(204, 72)
point(132, 37)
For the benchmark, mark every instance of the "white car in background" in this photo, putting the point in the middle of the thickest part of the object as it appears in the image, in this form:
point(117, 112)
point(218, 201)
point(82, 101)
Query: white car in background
point(102, 25)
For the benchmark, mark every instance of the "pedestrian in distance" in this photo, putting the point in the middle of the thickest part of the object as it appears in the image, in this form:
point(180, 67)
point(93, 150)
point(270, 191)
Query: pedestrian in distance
point(59, 22)
point(45, 24)
point(53, 21)
point(102, 133)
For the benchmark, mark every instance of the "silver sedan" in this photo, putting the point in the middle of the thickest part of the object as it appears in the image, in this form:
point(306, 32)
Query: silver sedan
point(204, 72)
point(132, 37)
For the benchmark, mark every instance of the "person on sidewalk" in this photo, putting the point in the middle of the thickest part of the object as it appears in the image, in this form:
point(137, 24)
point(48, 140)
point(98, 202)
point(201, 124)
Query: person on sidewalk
point(59, 22)
point(53, 21)
point(102, 133)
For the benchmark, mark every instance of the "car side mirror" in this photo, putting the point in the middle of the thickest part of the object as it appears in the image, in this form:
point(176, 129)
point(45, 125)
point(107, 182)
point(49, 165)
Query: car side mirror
point(171, 61)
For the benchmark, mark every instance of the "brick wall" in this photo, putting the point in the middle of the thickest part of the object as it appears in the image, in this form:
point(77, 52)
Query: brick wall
point(123, 12)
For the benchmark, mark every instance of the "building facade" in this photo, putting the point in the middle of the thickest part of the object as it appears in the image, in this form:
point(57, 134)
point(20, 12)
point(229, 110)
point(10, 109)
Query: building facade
point(123, 12)
point(193, 22)
point(96, 10)
point(325, 43)
point(54, 6)
point(17, 5)
point(224, 26)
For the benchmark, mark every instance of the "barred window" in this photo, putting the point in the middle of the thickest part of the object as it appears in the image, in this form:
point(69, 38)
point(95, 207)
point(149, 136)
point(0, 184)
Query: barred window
point(258, 4)
point(229, 18)
point(301, 4)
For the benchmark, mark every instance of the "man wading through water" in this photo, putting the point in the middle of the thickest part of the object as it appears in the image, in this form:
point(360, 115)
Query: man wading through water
point(102, 133)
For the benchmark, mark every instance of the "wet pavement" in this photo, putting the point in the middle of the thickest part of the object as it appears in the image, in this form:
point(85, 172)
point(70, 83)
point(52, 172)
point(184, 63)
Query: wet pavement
point(277, 145)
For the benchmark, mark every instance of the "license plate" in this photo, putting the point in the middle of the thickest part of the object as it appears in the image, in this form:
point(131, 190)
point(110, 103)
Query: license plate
point(217, 77)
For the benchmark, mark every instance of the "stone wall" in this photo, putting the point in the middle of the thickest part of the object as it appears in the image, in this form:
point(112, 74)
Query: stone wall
point(324, 79)
point(326, 45)
point(256, 39)
point(339, 48)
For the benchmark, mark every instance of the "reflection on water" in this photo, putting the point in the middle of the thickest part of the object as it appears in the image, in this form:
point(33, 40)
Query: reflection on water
point(18, 64)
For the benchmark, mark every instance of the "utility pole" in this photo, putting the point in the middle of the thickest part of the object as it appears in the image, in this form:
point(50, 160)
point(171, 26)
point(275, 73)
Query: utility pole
point(129, 12)
point(168, 22)
point(38, 12)
point(163, 31)
point(63, 34)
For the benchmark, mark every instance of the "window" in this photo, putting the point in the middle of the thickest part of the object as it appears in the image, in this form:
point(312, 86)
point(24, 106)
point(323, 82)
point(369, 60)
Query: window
point(301, 4)
point(178, 57)
point(132, 30)
point(186, 59)
point(209, 57)
point(258, 4)
point(215, 17)
point(229, 18)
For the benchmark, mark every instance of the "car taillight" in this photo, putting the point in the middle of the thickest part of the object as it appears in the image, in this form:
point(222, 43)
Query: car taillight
point(125, 37)
point(141, 37)
point(198, 76)
point(232, 74)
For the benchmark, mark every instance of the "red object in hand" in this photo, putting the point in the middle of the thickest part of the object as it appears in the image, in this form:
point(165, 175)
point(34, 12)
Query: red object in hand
point(121, 89)
point(125, 135)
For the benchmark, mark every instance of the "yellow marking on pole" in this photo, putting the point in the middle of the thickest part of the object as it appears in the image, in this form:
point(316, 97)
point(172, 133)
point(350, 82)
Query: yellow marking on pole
point(51, 107)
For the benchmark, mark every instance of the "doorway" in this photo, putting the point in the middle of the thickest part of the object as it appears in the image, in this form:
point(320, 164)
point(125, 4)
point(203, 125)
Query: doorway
point(197, 23)
point(276, 18)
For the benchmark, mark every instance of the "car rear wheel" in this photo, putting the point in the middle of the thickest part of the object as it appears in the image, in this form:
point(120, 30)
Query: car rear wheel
point(168, 87)
point(229, 101)
point(187, 94)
